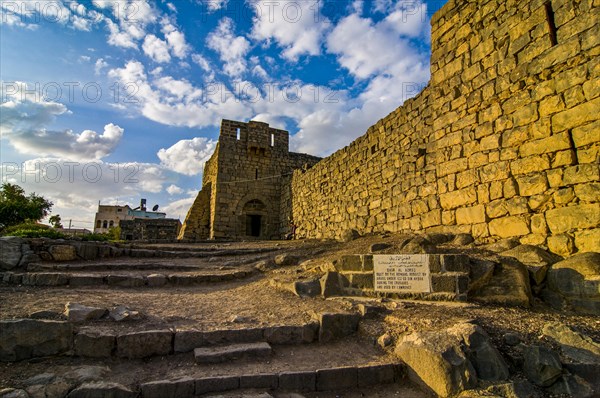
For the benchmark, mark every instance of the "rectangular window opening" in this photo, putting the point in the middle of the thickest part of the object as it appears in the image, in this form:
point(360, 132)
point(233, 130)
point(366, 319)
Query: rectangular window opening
point(256, 174)
point(551, 23)
point(272, 139)
point(238, 133)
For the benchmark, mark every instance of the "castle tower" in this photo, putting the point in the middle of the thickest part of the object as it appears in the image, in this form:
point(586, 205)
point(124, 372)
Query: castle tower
point(242, 184)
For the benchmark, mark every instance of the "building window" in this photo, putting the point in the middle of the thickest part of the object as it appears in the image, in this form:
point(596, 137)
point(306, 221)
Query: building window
point(272, 139)
point(111, 224)
point(98, 224)
point(551, 23)
point(238, 133)
point(105, 224)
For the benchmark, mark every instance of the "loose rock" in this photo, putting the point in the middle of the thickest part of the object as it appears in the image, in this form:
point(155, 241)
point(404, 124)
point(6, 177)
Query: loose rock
point(75, 312)
point(542, 366)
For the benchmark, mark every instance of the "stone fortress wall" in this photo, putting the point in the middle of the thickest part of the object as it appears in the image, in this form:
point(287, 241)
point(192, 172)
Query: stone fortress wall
point(503, 142)
point(242, 184)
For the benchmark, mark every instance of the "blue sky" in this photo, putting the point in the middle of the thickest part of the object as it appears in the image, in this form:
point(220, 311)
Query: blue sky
point(115, 100)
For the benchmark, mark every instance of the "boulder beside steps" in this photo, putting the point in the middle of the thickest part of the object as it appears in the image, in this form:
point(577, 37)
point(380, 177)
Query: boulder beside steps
point(230, 352)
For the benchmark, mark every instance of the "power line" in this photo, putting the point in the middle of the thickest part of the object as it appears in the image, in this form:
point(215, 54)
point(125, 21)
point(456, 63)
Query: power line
point(255, 179)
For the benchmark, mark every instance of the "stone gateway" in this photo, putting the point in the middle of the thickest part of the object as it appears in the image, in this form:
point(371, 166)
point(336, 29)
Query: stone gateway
point(243, 185)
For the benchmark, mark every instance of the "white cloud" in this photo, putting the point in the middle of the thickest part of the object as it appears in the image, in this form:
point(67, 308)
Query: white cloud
point(156, 49)
point(24, 122)
point(31, 14)
point(232, 49)
point(160, 104)
point(174, 190)
point(131, 18)
point(214, 5)
point(99, 66)
point(296, 26)
point(175, 39)
point(378, 47)
point(187, 156)
point(172, 7)
point(179, 208)
point(201, 62)
point(119, 38)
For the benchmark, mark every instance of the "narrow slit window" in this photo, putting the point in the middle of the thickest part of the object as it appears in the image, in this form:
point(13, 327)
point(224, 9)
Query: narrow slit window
point(272, 139)
point(256, 174)
point(238, 133)
point(551, 23)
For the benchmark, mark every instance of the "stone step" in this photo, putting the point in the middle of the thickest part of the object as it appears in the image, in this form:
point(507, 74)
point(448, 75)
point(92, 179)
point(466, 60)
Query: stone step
point(119, 280)
point(351, 364)
point(231, 352)
point(325, 379)
point(23, 338)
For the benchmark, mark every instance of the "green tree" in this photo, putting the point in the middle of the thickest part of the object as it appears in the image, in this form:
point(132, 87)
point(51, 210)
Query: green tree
point(55, 221)
point(16, 208)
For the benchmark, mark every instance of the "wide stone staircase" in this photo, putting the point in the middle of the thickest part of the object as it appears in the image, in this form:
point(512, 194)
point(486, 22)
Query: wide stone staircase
point(89, 352)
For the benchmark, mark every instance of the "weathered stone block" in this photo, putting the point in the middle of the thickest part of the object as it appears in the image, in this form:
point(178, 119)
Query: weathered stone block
point(507, 227)
point(470, 215)
point(360, 280)
point(184, 388)
point(454, 199)
point(530, 165)
point(455, 263)
point(337, 379)
point(587, 134)
point(85, 280)
point(494, 172)
point(155, 280)
point(337, 325)
point(532, 185)
point(443, 283)
point(94, 344)
point(542, 366)
point(145, 344)
point(231, 352)
point(573, 217)
point(588, 241)
point(576, 116)
point(45, 279)
point(79, 313)
point(553, 143)
point(126, 280)
point(561, 244)
point(298, 381)
point(291, 334)
point(102, 389)
point(377, 375)
point(268, 381)
point(581, 174)
point(10, 252)
point(27, 338)
point(349, 263)
point(63, 252)
point(589, 192)
point(217, 384)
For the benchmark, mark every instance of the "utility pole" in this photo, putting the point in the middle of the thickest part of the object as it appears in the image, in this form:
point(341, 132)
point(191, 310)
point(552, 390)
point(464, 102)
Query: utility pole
point(70, 224)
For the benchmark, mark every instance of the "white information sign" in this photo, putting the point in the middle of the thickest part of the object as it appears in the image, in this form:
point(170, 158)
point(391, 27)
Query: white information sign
point(402, 273)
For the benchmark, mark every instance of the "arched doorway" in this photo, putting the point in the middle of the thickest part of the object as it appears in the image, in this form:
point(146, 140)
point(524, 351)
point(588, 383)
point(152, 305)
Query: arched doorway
point(253, 217)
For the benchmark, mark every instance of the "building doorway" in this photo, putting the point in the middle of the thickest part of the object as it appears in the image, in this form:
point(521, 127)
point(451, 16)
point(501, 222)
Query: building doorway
point(253, 222)
point(253, 216)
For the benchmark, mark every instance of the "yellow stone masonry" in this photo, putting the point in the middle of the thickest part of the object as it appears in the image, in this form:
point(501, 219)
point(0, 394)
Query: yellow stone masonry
point(503, 142)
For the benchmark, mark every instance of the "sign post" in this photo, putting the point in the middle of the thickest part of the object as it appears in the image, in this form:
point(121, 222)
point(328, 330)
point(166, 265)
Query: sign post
point(402, 273)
